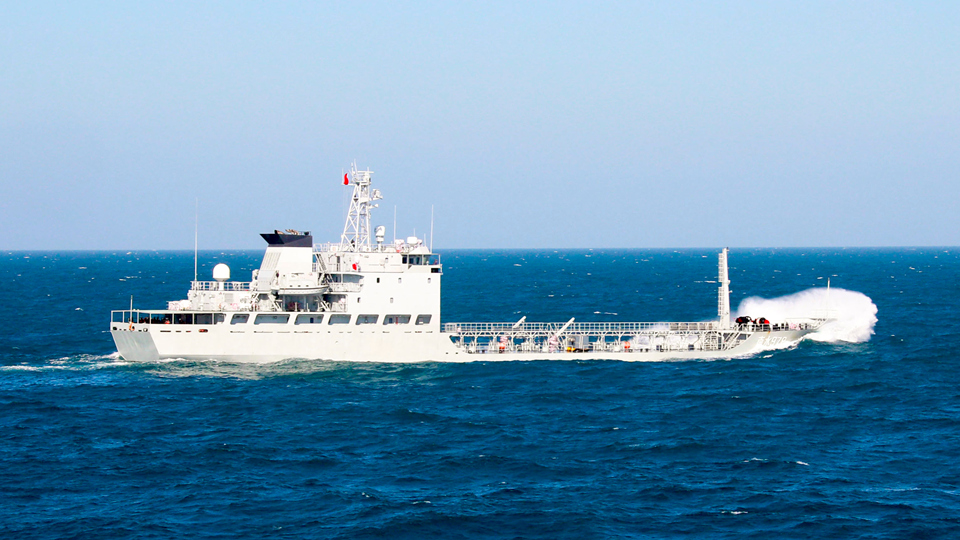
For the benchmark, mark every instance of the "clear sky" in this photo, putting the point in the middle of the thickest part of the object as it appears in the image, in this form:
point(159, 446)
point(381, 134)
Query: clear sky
point(526, 124)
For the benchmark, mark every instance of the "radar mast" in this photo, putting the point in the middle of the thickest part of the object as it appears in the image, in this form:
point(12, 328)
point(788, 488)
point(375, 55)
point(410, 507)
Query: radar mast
point(356, 231)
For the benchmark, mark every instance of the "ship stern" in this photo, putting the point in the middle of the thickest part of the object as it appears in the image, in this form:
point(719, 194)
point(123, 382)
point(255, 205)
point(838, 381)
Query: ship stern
point(135, 345)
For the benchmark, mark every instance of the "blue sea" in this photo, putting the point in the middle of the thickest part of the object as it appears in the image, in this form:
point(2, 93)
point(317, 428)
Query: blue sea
point(852, 435)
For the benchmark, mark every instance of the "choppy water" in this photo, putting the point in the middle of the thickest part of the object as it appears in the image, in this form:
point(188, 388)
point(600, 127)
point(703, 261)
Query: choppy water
point(831, 439)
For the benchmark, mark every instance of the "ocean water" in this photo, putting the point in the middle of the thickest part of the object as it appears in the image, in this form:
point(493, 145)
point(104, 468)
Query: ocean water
point(854, 434)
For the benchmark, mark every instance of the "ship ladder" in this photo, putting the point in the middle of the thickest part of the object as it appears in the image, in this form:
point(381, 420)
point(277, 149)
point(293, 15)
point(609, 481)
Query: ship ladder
point(323, 269)
point(732, 340)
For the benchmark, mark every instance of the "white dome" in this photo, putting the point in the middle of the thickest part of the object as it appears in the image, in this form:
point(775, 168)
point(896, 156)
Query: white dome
point(221, 272)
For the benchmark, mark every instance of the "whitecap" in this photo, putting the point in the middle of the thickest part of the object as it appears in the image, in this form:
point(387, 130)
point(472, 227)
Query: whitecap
point(852, 314)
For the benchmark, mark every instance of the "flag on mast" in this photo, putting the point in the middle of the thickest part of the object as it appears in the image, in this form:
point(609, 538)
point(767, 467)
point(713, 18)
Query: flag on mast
point(346, 181)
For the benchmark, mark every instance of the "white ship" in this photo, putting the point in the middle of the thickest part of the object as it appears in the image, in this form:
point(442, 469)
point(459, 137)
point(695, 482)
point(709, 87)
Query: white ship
point(357, 300)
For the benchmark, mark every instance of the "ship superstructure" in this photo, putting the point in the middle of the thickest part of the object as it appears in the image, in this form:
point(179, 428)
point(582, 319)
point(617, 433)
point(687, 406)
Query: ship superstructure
point(362, 299)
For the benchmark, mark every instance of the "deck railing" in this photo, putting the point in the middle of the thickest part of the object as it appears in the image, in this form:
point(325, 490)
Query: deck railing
point(215, 286)
point(616, 328)
point(339, 286)
point(584, 328)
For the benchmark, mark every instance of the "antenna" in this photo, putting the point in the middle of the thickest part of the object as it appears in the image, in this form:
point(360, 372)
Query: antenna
point(344, 203)
point(196, 226)
point(394, 224)
point(431, 228)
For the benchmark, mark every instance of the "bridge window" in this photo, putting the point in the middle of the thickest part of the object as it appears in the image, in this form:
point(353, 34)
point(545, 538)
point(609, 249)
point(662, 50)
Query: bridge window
point(263, 318)
point(367, 319)
point(423, 319)
point(339, 319)
point(396, 319)
point(204, 318)
point(183, 318)
point(161, 318)
point(240, 318)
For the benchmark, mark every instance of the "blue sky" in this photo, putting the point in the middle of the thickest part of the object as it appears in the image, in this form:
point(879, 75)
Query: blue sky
point(525, 124)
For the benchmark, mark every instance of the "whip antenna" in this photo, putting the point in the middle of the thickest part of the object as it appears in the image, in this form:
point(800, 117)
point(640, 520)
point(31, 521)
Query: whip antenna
point(196, 226)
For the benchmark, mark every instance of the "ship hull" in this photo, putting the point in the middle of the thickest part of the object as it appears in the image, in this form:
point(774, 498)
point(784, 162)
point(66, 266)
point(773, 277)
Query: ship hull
point(152, 343)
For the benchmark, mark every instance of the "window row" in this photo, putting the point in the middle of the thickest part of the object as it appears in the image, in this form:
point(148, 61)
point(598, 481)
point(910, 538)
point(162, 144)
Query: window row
point(315, 318)
point(176, 318)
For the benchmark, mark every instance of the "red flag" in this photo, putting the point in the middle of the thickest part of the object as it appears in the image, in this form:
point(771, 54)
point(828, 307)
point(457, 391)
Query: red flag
point(346, 181)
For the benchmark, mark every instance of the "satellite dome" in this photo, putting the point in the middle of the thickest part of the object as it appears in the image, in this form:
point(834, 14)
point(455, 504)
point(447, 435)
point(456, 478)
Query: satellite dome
point(221, 272)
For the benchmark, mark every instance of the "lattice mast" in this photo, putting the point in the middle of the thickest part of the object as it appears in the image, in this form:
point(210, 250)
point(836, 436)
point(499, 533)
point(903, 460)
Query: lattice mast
point(723, 309)
point(356, 231)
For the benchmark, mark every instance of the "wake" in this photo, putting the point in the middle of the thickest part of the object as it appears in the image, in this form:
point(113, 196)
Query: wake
point(853, 314)
point(80, 362)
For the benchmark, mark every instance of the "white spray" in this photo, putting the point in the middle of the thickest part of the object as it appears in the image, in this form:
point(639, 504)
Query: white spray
point(852, 314)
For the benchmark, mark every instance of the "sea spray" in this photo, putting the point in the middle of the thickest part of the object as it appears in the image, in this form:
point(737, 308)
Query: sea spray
point(852, 314)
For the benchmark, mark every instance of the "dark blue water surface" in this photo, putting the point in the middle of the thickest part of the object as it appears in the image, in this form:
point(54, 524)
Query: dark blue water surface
point(827, 440)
